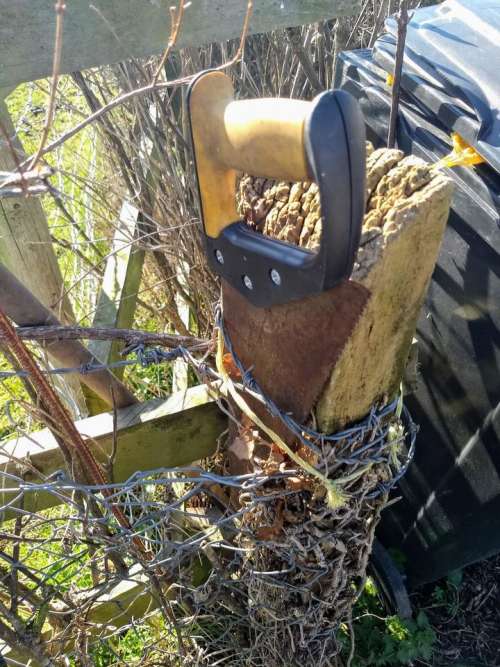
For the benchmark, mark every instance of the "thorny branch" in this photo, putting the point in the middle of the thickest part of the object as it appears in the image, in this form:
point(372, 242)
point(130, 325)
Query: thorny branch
point(61, 419)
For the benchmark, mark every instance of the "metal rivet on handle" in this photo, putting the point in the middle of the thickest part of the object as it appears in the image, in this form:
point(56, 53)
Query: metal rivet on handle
point(219, 257)
point(247, 282)
point(275, 277)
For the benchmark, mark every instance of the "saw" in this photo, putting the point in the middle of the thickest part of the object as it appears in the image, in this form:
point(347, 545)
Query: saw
point(288, 310)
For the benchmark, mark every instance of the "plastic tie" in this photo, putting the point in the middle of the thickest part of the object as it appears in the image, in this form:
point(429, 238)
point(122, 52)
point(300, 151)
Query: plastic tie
point(462, 154)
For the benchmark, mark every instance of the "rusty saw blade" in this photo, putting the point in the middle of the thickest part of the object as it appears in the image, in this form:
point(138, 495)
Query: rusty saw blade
point(292, 348)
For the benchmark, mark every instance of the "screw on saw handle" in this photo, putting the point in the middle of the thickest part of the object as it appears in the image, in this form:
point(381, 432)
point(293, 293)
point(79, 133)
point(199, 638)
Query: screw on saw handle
point(288, 140)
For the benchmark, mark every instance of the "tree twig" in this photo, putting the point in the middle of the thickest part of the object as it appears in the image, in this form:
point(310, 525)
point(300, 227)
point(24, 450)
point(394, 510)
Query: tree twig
point(176, 20)
point(294, 37)
point(402, 19)
point(244, 33)
point(56, 66)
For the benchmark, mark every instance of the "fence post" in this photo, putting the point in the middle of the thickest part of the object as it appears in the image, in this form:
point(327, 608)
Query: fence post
point(25, 243)
point(26, 247)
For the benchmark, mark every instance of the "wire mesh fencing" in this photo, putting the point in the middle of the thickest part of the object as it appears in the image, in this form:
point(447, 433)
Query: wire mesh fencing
point(211, 568)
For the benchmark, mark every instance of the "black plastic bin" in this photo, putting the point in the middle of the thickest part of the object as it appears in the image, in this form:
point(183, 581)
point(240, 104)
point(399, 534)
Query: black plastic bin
point(449, 515)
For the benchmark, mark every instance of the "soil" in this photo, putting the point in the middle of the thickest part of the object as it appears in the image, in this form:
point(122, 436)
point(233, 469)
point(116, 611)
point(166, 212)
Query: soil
point(464, 611)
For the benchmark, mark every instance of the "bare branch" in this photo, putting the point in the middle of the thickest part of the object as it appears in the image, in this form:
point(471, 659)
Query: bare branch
point(176, 20)
point(59, 9)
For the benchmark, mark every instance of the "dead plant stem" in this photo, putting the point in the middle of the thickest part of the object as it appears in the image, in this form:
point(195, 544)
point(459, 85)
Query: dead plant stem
point(56, 66)
point(176, 20)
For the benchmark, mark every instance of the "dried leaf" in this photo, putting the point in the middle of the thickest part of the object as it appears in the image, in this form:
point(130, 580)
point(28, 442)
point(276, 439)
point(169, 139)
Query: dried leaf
point(271, 532)
point(307, 454)
point(299, 484)
point(230, 366)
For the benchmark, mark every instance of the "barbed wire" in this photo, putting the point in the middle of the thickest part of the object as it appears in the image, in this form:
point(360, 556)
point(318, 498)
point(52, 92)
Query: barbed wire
point(144, 357)
point(267, 544)
point(379, 449)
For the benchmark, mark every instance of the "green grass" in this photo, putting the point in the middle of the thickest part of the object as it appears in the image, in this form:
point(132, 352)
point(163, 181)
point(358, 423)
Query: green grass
point(81, 158)
point(135, 646)
point(12, 413)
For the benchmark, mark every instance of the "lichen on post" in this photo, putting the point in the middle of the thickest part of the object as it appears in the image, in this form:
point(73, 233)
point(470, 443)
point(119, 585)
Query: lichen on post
point(324, 549)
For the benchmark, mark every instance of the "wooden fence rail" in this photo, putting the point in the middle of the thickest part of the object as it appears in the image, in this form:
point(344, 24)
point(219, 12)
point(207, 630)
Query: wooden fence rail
point(155, 434)
point(108, 31)
point(24, 309)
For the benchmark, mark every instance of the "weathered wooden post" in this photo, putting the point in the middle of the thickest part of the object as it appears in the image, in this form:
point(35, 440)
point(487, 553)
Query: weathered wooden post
point(25, 243)
point(26, 247)
point(122, 277)
point(325, 547)
point(407, 209)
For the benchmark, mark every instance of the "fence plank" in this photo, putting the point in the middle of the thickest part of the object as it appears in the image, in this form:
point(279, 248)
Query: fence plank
point(118, 295)
point(107, 31)
point(130, 599)
point(155, 434)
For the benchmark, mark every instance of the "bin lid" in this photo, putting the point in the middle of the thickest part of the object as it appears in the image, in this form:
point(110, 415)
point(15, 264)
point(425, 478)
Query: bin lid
point(452, 55)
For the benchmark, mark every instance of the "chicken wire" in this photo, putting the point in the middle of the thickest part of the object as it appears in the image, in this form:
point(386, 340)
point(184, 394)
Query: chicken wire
point(241, 570)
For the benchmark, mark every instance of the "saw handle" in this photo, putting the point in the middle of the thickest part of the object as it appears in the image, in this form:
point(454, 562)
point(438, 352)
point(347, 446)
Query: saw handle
point(264, 137)
point(290, 140)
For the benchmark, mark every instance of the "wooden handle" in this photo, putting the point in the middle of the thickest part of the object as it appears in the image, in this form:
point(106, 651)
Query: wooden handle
point(264, 137)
